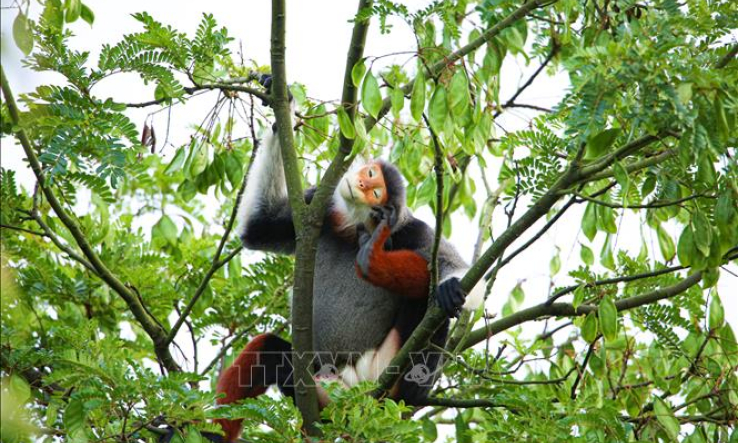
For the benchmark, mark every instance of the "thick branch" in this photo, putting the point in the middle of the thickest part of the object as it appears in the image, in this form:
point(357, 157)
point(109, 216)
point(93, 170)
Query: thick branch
point(149, 324)
point(307, 234)
point(349, 99)
point(544, 310)
point(589, 171)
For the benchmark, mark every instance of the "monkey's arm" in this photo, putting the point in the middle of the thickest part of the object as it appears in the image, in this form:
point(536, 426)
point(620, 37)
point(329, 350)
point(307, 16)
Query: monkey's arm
point(403, 271)
point(264, 214)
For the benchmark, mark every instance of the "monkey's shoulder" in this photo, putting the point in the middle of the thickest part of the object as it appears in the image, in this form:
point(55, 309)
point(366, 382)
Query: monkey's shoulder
point(414, 234)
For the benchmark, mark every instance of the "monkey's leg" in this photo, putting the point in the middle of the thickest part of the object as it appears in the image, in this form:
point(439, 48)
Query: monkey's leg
point(417, 381)
point(265, 361)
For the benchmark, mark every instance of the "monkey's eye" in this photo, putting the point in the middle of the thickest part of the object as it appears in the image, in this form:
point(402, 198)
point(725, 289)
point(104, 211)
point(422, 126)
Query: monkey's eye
point(371, 173)
point(378, 193)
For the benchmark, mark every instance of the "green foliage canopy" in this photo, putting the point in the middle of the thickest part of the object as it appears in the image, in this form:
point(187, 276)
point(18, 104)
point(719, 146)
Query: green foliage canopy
point(647, 130)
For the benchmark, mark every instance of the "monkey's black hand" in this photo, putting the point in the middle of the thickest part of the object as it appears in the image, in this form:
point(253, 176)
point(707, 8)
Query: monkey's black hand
point(362, 234)
point(266, 81)
point(366, 246)
point(451, 296)
point(386, 213)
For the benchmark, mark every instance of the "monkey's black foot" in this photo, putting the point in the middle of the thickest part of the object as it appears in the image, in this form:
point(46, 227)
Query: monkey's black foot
point(450, 297)
point(387, 213)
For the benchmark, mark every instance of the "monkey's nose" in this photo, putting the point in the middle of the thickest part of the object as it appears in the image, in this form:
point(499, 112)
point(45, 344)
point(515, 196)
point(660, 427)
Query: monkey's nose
point(361, 184)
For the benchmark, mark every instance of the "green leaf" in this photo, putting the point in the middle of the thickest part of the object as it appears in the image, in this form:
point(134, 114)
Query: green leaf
point(589, 328)
point(234, 171)
point(685, 247)
point(606, 258)
point(177, 162)
point(717, 313)
point(724, 210)
point(187, 190)
point(702, 232)
point(430, 432)
point(555, 264)
point(166, 229)
point(397, 98)
point(666, 419)
point(586, 255)
point(608, 316)
point(53, 14)
point(684, 92)
point(517, 294)
point(344, 122)
point(87, 14)
point(621, 176)
point(578, 298)
point(462, 429)
point(297, 90)
point(710, 277)
point(458, 94)
point(438, 109)
point(589, 221)
point(74, 10)
point(198, 158)
point(23, 34)
point(606, 219)
point(193, 436)
point(666, 244)
point(19, 389)
point(598, 144)
point(417, 98)
point(706, 170)
point(74, 419)
point(371, 98)
point(317, 129)
point(358, 71)
point(649, 184)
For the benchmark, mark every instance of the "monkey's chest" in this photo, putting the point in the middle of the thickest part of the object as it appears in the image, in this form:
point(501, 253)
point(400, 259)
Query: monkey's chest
point(349, 314)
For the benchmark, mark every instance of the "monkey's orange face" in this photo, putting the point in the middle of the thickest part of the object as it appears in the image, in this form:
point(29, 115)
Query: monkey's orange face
point(364, 185)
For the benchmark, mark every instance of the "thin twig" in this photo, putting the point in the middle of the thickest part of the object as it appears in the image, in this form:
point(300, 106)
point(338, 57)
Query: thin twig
point(610, 281)
point(581, 370)
point(20, 229)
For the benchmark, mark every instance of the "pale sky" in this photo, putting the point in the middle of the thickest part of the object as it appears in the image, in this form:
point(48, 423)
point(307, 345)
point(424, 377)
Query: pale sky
point(318, 33)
